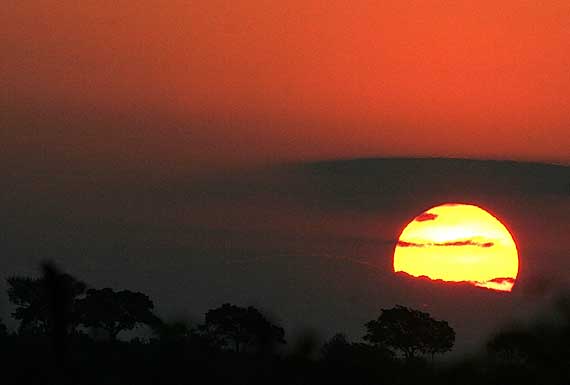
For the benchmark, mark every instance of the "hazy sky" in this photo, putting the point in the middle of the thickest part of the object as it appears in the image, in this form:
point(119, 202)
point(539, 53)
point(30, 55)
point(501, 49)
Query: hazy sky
point(119, 120)
point(196, 84)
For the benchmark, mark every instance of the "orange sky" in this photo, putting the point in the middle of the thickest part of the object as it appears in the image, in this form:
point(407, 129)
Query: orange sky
point(200, 83)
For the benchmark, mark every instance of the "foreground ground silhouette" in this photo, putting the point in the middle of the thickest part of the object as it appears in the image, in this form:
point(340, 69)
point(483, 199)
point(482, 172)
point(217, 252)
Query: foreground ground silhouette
point(69, 334)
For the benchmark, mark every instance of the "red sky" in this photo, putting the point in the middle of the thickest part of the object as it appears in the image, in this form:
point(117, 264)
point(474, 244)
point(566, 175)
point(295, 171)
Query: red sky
point(194, 84)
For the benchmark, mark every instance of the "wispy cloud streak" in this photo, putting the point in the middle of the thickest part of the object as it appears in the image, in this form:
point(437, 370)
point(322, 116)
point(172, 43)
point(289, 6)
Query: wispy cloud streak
point(446, 244)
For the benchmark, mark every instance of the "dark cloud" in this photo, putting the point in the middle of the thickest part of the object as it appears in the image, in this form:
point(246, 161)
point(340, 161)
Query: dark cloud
point(465, 243)
point(412, 244)
point(426, 217)
point(454, 243)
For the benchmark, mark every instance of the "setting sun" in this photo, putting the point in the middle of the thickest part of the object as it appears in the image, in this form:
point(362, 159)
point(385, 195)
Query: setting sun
point(458, 243)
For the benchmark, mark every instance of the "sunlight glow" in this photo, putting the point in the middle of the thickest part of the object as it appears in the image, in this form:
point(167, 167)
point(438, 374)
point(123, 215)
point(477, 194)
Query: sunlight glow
point(458, 243)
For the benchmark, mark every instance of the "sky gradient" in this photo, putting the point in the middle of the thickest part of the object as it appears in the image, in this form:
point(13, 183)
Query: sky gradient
point(180, 150)
point(195, 85)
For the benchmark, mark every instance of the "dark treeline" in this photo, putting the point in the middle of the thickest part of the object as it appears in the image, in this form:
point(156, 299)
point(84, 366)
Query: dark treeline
point(70, 334)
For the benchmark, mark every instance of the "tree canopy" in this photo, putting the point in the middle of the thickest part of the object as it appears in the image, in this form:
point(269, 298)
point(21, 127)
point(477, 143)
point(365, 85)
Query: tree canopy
point(34, 299)
point(115, 311)
point(239, 328)
point(410, 332)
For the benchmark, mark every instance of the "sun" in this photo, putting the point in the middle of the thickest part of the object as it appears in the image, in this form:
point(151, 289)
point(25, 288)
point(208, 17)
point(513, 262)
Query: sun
point(458, 242)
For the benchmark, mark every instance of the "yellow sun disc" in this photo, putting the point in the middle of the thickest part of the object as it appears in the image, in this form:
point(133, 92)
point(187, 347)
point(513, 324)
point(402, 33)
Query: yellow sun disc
point(458, 243)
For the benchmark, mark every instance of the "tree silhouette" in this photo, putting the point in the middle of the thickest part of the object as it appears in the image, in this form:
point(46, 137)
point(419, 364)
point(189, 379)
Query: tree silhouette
point(114, 311)
point(531, 353)
point(34, 300)
point(239, 328)
point(410, 332)
point(439, 338)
